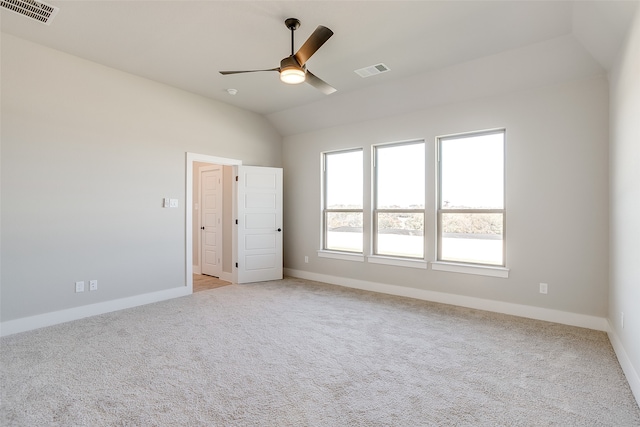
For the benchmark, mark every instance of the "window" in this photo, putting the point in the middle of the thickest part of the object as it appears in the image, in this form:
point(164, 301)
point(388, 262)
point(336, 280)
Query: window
point(399, 200)
point(342, 206)
point(440, 201)
point(471, 207)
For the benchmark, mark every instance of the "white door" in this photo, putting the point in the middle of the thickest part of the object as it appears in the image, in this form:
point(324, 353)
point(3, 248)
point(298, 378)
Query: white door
point(259, 227)
point(211, 222)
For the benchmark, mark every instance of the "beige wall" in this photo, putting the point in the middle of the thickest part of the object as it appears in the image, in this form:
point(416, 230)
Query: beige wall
point(624, 293)
point(556, 195)
point(88, 154)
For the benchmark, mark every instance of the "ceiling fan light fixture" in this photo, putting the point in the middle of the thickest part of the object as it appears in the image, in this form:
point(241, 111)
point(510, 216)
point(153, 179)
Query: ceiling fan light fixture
point(291, 72)
point(292, 75)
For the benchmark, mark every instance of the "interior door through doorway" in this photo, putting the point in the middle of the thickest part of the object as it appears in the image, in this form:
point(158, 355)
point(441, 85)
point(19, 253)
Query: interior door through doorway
point(211, 221)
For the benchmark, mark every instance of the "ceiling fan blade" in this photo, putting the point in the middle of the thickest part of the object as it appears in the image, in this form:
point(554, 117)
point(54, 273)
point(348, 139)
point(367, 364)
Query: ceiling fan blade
point(224, 73)
point(313, 43)
point(319, 84)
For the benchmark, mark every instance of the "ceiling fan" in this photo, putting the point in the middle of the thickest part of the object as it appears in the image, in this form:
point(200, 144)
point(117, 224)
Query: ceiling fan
point(292, 69)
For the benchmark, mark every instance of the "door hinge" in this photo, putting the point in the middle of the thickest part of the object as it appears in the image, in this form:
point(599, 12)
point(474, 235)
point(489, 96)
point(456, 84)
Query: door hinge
point(236, 265)
point(236, 222)
point(236, 178)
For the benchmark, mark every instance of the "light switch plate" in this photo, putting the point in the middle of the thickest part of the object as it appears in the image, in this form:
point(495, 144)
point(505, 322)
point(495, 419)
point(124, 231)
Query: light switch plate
point(165, 202)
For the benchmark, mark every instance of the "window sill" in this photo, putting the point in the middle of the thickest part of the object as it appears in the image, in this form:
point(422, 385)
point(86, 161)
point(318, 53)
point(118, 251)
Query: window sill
point(480, 270)
point(341, 255)
point(400, 262)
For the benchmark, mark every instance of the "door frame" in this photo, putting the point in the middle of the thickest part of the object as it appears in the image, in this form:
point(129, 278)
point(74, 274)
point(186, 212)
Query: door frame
point(190, 159)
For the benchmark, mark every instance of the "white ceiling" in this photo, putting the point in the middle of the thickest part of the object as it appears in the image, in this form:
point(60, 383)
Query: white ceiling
point(438, 51)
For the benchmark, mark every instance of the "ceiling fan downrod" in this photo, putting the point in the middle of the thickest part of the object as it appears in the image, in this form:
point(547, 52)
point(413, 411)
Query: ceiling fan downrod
point(292, 24)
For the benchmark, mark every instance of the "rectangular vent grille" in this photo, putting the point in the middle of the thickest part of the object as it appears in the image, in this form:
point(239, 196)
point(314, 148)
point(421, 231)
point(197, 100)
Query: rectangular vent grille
point(32, 9)
point(372, 70)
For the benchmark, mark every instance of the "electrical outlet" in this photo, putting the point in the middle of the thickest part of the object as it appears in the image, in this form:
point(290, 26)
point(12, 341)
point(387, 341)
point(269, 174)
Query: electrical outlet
point(306, 259)
point(80, 286)
point(173, 203)
point(544, 288)
point(93, 285)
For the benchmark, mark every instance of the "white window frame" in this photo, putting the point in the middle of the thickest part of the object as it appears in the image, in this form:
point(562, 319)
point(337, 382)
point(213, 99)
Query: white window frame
point(498, 270)
point(431, 219)
point(377, 257)
point(325, 251)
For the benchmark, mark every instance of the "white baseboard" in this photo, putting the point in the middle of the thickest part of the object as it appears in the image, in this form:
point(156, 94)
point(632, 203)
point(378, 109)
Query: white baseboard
point(49, 319)
point(627, 367)
point(196, 269)
point(556, 316)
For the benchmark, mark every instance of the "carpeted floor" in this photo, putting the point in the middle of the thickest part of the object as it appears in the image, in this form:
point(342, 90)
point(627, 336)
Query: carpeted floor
point(299, 353)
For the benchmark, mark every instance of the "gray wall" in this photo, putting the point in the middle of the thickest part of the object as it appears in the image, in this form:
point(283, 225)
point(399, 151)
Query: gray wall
point(624, 285)
point(557, 195)
point(88, 153)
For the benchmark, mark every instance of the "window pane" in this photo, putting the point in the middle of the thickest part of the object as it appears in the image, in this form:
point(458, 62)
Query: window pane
point(344, 231)
point(344, 180)
point(475, 238)
point(401, 234)
point(400, 177)
point(472, 172)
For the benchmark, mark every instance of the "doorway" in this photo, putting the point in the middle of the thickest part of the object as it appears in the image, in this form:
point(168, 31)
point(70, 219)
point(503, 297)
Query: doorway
point(192, 205)
point(253, 214)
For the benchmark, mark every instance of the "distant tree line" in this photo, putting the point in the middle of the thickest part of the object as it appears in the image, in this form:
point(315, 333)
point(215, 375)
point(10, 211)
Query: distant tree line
point(411, 223)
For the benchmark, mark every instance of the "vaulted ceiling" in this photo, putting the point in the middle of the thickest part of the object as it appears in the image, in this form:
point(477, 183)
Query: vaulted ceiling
point(438, 51)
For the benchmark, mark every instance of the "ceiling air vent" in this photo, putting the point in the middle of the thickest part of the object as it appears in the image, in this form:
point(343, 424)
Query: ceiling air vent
point(372, 70)
point(32, 9)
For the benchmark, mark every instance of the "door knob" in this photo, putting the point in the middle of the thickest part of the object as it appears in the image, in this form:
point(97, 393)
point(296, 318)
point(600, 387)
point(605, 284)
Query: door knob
point(279, 229)
point(201, 228)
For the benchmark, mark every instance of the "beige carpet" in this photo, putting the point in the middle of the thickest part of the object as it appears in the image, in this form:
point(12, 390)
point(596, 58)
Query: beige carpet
point(298, 353)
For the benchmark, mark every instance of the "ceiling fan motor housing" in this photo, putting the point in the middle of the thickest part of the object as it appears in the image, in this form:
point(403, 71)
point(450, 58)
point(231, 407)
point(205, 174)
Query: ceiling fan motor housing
point(290, 62)
point(291, 72)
